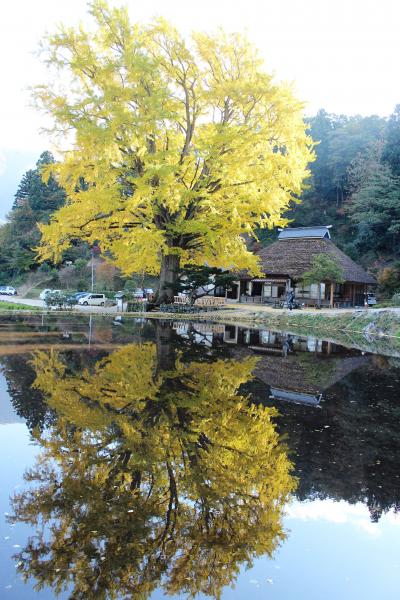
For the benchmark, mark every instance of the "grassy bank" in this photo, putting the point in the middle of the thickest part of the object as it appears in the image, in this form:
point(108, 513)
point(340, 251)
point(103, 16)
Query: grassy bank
point(369, 331)
point(9, 306)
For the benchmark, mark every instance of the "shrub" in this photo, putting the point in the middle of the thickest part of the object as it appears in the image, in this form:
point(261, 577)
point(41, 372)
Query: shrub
point(82, 285)
point(130, 285)
point(135, 306)
point(389, 280)
point(57, 300)
point(396, 299)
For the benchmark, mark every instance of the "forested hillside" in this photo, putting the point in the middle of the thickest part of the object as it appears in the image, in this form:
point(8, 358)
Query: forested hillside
point(354, 186)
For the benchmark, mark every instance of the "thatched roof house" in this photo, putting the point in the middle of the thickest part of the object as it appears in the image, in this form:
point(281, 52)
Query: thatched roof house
point(285, 262)
point(294, 256)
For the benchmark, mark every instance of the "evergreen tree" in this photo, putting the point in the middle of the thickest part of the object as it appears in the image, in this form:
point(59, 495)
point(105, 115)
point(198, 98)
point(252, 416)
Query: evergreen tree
point(391, 150)
point(375, 205)
point(35, 200)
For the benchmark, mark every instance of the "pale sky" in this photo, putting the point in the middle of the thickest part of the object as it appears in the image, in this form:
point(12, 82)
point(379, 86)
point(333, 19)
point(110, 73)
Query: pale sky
point(342, 55)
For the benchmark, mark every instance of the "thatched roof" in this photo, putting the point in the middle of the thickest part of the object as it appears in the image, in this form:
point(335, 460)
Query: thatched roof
point(294, 257)
point(303, 373)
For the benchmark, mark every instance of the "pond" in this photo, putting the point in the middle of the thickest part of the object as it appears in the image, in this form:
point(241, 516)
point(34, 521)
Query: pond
point(146, 459)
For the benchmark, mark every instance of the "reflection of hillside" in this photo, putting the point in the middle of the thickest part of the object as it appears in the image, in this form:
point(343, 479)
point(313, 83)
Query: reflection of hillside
point(350, 448)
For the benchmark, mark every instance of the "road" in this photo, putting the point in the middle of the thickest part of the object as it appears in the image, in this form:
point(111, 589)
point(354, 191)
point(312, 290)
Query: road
point(249, 308)
point(78, 308)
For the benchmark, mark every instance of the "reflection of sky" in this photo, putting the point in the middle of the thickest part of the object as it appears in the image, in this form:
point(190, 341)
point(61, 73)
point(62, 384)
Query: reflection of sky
point(333, 551)
point(17, 453)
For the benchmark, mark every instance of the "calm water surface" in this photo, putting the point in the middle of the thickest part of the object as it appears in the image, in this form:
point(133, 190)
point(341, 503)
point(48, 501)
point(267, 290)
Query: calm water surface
point(145, 459)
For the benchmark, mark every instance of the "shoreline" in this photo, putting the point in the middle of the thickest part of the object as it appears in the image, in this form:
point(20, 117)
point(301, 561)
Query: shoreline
point(368, 330)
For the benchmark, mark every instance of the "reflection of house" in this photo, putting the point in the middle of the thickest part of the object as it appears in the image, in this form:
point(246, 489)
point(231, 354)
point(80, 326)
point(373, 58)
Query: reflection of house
point(284, 263)
point(301, 372)
point(296, 397)
point(303, 378)
point(290, 368)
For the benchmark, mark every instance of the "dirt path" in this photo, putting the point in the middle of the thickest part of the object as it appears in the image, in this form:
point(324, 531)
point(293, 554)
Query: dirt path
point(260, 308)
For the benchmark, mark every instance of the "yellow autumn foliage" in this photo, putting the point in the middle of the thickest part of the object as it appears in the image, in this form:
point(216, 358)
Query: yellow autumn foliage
point(152, 477)
point(176, 147)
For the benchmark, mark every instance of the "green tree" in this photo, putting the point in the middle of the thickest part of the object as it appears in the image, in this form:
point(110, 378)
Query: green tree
point(183, 146)
point(339, 141)
point(324, 268)
point(34, 202)
point(391, 148)
point(389, 279)
point(374, 206)
point(198, 281)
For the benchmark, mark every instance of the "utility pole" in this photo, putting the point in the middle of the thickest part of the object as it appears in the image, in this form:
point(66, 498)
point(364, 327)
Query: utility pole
point(92, 254)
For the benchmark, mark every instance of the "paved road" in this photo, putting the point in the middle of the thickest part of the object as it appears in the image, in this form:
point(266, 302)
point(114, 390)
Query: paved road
point(78, 308)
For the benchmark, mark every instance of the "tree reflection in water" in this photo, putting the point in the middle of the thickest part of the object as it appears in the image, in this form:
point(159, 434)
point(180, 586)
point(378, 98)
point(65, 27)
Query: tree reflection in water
point(156, 472)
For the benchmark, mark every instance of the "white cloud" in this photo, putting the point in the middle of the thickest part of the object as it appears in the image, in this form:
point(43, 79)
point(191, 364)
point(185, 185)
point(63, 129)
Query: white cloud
point(340, 512)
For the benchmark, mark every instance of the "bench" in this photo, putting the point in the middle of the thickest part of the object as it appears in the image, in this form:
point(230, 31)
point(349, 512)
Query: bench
point(205, 302)
point(209, 302)
point(181, 300)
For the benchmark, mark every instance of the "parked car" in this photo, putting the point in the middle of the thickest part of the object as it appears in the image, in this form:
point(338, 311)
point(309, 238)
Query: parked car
point(73, 298)
point(8, 290)
point(148, 291)
point(44, 293)
point(92, 300)
point(370, 298)
point(138, 293)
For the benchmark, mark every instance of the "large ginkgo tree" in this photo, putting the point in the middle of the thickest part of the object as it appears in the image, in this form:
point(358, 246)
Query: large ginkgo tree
point(176, 147)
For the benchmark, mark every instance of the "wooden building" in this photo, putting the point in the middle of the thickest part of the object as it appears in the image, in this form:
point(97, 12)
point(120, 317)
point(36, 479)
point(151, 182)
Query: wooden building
point(284, 263)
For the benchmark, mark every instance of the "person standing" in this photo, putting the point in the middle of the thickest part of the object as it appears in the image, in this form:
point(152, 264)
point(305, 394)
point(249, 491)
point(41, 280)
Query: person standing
point(290, 299)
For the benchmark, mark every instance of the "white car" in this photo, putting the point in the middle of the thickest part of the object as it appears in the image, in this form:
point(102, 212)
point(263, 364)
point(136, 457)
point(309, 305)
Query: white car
point(92, 300)
point(8, 290)
point(44, 293)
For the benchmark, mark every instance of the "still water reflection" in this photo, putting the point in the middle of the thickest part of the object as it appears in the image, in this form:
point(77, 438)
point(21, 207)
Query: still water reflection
point(169, 454)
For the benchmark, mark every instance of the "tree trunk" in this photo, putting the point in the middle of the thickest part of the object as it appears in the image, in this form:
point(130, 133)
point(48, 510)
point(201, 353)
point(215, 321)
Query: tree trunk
point(319, 295)
point(168, 277)
point(332, 293)
point(166, 354)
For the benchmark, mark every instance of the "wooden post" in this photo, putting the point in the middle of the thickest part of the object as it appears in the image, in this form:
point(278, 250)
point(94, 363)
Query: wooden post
point(353, 285)
point(332, 288)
